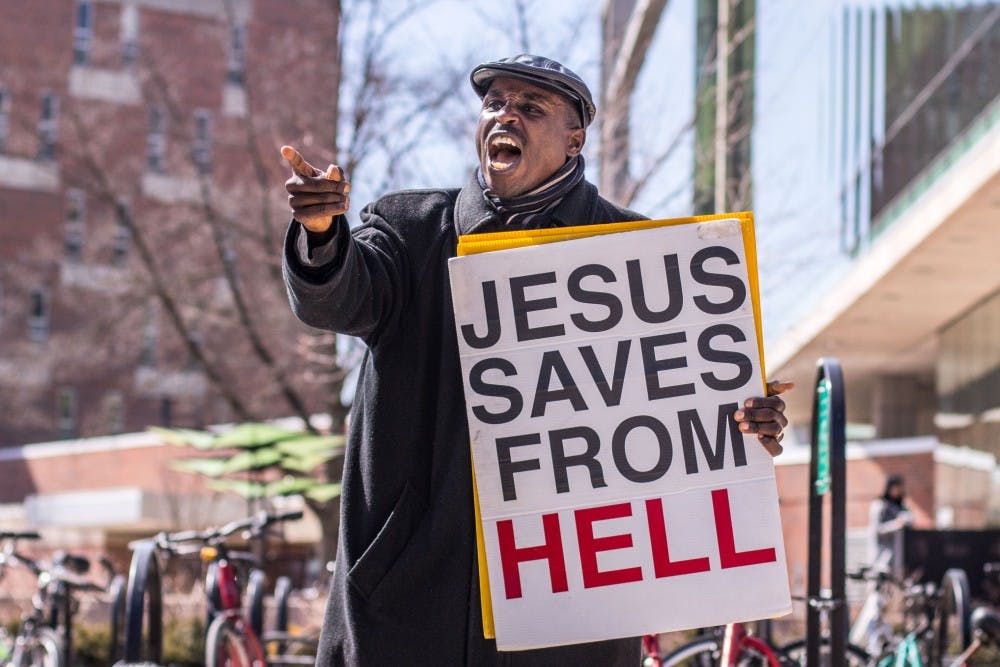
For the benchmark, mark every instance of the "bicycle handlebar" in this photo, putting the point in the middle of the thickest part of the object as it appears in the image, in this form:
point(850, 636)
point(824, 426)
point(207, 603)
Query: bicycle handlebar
point(254, 524)
point(23, 535)
point(23, 560)
point(65, 567)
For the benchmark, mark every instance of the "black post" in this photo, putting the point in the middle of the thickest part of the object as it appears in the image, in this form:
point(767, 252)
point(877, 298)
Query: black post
point(827, 474)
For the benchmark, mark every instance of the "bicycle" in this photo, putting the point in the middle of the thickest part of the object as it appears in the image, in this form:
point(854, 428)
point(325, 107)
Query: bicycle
point(231, 638)
point(936, 625)
point(46, 634)
point(985, 624)
point(733, 645)
point(795, 653)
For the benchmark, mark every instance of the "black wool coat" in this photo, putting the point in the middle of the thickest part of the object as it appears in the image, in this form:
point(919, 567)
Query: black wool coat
point(405, 589)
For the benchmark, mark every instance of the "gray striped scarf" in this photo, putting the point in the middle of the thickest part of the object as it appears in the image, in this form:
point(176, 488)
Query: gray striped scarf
point(524, 209)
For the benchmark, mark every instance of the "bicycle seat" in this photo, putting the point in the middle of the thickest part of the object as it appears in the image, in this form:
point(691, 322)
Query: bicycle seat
point(987, 621)
point(76, 564)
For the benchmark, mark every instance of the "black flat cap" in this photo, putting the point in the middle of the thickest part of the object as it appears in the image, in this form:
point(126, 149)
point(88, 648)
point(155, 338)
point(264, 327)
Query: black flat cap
point(541, 72)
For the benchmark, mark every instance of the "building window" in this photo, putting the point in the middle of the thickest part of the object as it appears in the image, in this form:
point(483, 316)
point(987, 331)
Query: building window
point(123, 237)
point(193, 363)
point(66, 411)
point(73, 231)
point(201, 151)
point(38, 316)
point(166, 411)
point(83, 30)
point(4, 118)
point(48, 125)
point(156, 150)
point(130, 34)
point(114, 412)
point(150, 339)
point(237, 55)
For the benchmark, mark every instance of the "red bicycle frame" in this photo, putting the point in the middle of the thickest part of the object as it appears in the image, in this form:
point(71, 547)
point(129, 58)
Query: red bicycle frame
point(736, 640)
point(249, 652)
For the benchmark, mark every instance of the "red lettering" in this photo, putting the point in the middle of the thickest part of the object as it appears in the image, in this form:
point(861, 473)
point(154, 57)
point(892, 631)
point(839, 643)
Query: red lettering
point(728, 554)
point(662, 565)
point(511, 556)
point(590, 545)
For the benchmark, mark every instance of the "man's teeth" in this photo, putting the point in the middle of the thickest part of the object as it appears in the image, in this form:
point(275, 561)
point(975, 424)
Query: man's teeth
point(503, 141)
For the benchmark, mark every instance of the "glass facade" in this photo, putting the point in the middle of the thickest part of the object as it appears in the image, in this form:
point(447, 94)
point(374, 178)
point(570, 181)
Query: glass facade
point(968, 377)
point(907, 79)
point(739, 190)
point(968, 370)
point(942, 70)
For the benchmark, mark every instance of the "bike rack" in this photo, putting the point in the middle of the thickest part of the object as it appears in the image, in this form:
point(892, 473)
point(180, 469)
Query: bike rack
point(827, 474)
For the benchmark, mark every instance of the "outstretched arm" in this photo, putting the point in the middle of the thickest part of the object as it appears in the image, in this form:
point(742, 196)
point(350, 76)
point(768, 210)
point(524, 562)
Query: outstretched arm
point(336, 280)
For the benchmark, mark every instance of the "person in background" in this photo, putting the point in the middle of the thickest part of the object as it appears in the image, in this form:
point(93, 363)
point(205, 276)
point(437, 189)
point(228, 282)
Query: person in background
point(886, 519)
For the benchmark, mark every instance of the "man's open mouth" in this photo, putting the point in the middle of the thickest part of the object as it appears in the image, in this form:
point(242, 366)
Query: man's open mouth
point(504, 152)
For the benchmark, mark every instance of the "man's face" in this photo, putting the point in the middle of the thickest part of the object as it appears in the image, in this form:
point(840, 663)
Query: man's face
point(525, 134)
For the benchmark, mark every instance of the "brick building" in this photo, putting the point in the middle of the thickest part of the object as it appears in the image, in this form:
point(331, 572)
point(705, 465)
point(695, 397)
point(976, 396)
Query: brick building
point(141, 209)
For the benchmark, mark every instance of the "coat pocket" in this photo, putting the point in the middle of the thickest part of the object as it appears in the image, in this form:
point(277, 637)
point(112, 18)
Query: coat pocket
point(375, 563)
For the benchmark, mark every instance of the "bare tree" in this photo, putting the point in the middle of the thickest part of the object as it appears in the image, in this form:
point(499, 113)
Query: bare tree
point(628, 28)
point(205, 227)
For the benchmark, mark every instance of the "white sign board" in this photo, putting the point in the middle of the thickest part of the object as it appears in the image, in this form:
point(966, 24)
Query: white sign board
point(617, 495)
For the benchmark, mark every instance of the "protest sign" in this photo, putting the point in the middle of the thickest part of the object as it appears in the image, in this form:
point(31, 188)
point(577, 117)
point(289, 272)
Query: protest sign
point(616, 495)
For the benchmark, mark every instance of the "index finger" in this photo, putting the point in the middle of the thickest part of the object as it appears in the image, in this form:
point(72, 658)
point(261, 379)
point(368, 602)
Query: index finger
point(779, 387)
point(299, 165)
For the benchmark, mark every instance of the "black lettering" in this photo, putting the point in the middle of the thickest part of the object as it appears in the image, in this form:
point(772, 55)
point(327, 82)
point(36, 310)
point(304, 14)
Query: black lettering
point(553, 361)
point(587, 458)
point(653, 366)
point(704, 277)
point(508, 467)
point(612, 394)
point(483, 388)
point(690, 424)
point(523, 306)
point(638, 291)
point(708, 353)
point(580, 295)
point(492, 320)
point(621, 458)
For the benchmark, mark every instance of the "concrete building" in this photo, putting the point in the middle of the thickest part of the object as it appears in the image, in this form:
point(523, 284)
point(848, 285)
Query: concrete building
point(910, 302)
point(140, 209)
point(885, 258)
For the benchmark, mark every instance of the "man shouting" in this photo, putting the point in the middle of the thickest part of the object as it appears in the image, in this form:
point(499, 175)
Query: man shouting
point(406, 588)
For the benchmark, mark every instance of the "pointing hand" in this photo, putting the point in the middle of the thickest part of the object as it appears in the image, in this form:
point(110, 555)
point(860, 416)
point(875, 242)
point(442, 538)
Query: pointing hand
point(315, 196)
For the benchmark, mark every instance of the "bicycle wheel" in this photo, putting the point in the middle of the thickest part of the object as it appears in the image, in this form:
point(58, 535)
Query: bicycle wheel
point(224, 646)
point(282, 591)
point(144, 607)
point(952, 628)
point(707, 653)
point(699, 653)
point(40, 649)
point(254, 603)
point(793, 654)
point(116, 641)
